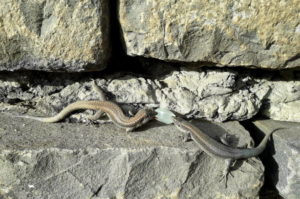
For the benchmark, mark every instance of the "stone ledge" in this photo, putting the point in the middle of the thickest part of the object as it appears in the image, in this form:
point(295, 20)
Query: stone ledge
point(66, 160)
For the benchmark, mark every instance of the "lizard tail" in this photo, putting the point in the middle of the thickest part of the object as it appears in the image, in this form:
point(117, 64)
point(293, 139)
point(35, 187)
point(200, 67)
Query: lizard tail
point(61, 115)
point(261, 147)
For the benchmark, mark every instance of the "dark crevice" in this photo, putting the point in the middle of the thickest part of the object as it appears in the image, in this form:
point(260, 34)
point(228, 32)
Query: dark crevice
point(269, 45)
point(95, 194)
point(148, 68)
point(293, 58)
point(268, 189)
point(119, 60)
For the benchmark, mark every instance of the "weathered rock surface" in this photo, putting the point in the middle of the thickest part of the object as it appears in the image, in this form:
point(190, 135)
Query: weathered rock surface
point(63, 160)
point(283, 161)
point(262, 34)
point(217, 95)
point(55, 35)
point(283, 102)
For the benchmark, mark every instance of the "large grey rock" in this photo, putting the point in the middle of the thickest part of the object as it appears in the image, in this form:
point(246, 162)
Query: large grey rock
point(63, 160)
point(262, 34)
point(283, 100)
point(217, 95)
point(55, 35)
point(283, 162)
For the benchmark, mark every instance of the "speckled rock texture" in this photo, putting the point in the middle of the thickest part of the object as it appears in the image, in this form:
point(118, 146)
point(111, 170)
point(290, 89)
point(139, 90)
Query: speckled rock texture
point(63, 160)
point(261, 34)
point(54, 35)
point(282, 160)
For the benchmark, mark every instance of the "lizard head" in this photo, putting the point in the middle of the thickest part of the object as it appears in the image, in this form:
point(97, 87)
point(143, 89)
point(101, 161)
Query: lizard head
point(142, 117)
point(149, 114)
point(145, 115)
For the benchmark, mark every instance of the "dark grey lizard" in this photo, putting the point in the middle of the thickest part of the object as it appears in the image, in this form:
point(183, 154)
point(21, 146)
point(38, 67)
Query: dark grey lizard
point(216, 149)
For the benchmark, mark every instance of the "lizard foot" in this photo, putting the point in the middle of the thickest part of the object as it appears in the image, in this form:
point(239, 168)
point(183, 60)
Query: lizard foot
point(186, 137)
point(224, 176)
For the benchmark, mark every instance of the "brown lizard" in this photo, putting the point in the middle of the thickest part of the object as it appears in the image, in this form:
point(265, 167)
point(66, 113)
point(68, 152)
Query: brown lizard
point(113, 111)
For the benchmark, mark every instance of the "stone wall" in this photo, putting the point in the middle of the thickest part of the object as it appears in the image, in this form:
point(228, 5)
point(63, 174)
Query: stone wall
point(215, 60)
point(74, 35)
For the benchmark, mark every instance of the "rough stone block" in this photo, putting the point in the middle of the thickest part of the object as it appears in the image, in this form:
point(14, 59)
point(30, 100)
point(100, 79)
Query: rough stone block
point(55, 35)
point(262, 34)
point(283, 101)
point(63, 160)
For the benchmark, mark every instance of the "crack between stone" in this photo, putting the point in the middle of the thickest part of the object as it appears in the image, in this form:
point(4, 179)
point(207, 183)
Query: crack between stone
point(235, 57)
point(83, 184)
point(61, 172)
point(293, 58)
point(40, 24)
point(95, 193)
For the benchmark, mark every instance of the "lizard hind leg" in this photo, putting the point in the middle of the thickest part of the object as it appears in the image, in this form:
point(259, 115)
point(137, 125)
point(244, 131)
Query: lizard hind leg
point(186, 137)
point(227, 139)
point(96, 116)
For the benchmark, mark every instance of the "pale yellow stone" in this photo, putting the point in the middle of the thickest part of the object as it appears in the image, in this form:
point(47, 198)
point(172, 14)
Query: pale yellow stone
point(263, 34)
point(53, 35)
